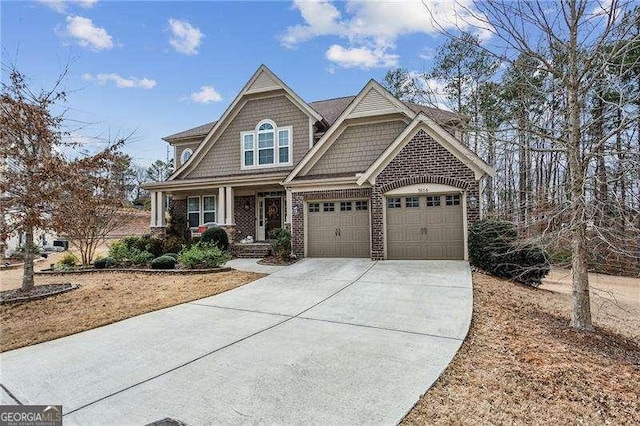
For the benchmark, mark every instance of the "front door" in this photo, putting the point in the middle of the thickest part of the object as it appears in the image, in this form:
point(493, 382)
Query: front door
point(272, 214)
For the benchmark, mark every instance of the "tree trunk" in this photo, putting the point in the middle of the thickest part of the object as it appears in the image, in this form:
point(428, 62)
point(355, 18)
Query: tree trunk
point(27, 277)
point(581, 313)
point(491, 205)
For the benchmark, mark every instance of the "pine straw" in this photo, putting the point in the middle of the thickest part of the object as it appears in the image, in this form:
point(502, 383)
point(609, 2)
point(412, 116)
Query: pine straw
point(104, 298)
point(521, 363)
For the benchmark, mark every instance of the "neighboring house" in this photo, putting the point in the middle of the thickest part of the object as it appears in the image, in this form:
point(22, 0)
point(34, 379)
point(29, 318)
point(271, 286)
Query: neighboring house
point(359, 176)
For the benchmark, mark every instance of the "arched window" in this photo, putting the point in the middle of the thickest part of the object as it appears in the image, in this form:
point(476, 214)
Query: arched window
point(186, 154)
point(267, 145)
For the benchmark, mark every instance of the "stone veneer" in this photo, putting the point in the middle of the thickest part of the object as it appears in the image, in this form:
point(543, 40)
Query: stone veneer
point(422, 160)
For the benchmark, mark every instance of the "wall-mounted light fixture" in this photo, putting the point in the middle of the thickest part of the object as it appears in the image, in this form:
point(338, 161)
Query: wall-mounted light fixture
point(296, 210)
point(473, 202)
point(246, 206)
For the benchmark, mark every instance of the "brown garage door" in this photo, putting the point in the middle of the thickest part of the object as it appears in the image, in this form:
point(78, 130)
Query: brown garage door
point(425, 227)
point(338, 228)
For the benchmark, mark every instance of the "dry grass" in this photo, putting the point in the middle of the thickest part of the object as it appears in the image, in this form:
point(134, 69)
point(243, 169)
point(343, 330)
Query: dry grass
point(104, 298)
point(522, 364)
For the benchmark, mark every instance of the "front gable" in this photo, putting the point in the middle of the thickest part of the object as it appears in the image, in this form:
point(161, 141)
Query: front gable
point(264, 84)
point(224, 157)
point(373, 103)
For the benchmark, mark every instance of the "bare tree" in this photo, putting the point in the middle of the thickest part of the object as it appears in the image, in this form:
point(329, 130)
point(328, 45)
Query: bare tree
point(95, 206)
point(30, 158)
point(571, 45)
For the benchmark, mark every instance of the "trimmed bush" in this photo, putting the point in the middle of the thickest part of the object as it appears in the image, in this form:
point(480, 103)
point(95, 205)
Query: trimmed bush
point(203, 255)
point(173, 244)
point(163, 262)
point(141, 258)
point(68, 260)
point(155, 246)
point(281, 243)
point(174, 255)
point(217, 236)
point(494, 248)
point(104, 262)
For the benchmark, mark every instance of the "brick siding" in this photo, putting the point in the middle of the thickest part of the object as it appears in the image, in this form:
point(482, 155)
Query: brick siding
point(422, 160)
point(245, 219)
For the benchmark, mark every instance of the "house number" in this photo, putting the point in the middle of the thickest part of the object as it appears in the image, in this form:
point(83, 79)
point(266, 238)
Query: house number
point(423, 189)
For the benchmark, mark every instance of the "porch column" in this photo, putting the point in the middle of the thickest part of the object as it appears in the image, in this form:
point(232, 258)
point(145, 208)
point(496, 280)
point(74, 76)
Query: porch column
point(229, 220)
point(289, 215)
point(157, 210)
point(220, 213)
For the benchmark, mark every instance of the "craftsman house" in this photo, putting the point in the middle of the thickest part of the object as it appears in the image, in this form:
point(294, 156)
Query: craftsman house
point(359, 176)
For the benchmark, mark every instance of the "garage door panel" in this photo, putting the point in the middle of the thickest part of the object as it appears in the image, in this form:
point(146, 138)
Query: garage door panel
point(444, 236)
point(351, 218)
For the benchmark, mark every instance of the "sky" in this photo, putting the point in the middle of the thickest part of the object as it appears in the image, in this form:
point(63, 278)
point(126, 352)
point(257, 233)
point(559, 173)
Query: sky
point(154, 68)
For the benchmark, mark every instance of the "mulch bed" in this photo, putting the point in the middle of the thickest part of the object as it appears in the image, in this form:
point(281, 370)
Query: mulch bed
point(143, 271)
point(276, 261)
point(37, 292)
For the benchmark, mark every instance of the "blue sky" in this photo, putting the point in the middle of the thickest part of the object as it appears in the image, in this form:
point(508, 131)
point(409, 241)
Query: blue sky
point(162, 67)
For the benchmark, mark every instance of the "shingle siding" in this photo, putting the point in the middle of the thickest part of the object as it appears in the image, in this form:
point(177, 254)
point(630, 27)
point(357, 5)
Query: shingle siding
point(180, 148)
point(223, 159)
point(357, 147)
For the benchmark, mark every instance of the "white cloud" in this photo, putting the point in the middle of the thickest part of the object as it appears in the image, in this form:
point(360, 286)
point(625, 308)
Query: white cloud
point(88, 35)
point(121, 82)
point(185, 38)
point(372, 27)
point(61, 6)
point(361, 57)
point(207, 94)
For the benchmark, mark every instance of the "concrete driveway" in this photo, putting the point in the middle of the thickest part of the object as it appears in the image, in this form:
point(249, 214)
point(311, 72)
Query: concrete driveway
point(322, 341)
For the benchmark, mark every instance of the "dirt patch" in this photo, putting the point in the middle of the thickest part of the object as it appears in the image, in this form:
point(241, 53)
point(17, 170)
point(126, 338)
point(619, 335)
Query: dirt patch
point(37, 292)
point(521, 364)
point(276, 261)
point(104, 298)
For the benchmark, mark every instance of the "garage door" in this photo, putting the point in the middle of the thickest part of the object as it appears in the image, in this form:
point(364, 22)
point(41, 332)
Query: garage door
point(338, 228)
point(425, 227)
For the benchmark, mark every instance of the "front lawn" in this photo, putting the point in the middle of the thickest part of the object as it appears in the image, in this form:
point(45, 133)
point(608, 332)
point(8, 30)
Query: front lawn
point(103, 298)
point(522, 364)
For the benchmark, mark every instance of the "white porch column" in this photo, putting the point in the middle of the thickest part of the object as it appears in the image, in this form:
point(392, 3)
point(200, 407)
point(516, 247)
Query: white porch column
point(229, 206)
point(289, 215)
point(157, 210)
point(154, 212)
point(221, 204)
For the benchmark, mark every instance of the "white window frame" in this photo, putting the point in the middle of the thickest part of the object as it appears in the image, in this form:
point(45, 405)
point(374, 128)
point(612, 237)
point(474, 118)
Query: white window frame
point(276, 146)
point(182, 154)
point(201, 211)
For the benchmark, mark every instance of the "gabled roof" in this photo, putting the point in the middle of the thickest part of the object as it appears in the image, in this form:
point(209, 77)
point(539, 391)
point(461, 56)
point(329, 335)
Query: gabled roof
point(444, 138)
point(263, 80)
point(372, 100)
point(200, 130)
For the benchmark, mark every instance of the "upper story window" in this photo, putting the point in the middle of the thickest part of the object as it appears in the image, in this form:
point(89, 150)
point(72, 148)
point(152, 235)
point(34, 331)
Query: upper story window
point(186, 154)
point(266, 146)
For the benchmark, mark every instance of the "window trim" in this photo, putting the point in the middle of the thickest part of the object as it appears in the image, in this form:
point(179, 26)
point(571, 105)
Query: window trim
point(186, 150)
point(276, 146)
point(201, 210)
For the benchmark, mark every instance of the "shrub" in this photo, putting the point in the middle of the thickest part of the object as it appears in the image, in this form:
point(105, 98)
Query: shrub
point(174, 255)
point(104, 262)
point(281, 243)
point(127, 251)
point(173, 244)
point(134, 242)
point(217, 236)
point(203, 255)
point(163, 262)
point(494, 247)
point(69, 260)
point(155, 246)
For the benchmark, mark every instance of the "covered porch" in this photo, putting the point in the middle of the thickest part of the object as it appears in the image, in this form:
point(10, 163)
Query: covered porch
point(248, 210)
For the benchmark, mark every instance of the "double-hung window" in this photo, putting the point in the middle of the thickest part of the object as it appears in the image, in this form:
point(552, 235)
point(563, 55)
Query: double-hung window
point(266, 146)
point(193, 211)
point(201, 210)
